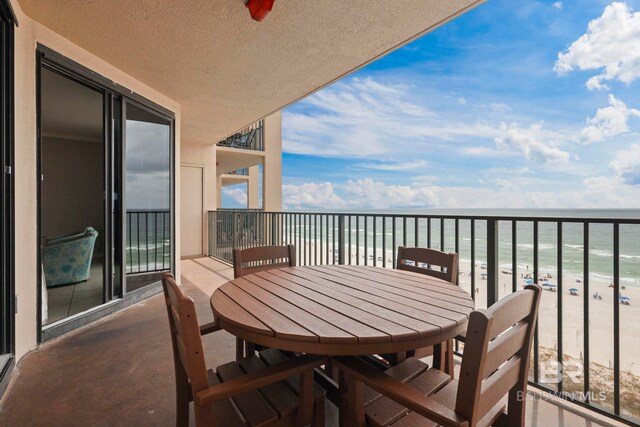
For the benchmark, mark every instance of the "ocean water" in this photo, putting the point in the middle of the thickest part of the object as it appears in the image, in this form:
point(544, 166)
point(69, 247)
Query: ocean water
point(148, 241)
point(600, 250)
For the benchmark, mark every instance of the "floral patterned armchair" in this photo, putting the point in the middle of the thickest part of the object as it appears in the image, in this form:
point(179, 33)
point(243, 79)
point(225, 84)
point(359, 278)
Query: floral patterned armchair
point(67, 259)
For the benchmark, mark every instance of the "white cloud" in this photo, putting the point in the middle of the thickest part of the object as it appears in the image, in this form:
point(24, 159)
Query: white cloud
point(483, 152)
point(356, 194)
point(535, 143)
point(610, 44)
point(498, 107)
point(393, 166)
point(367, 193)
point(366, 118)
point(311, 195)
point(238, 195)
point(626, 165)
point(558, 5)
point(608, 121)
point(595, 192)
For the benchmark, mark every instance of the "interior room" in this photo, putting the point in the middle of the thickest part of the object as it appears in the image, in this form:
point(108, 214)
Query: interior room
point(72, 197)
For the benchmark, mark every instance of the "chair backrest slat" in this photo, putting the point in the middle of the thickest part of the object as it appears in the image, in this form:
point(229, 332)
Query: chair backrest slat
point(509, 311)
point(188, 353)
point(506, 345)
point(496, 353)
point(422, 260)
point(497, 385)
point(262, 258)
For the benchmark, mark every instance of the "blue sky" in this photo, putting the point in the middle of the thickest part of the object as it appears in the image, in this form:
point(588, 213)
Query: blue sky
point(514, 104)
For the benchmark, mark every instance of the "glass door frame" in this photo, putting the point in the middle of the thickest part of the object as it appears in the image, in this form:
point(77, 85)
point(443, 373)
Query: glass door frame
point(7, 172)
point(115, 99)
point(123, 259)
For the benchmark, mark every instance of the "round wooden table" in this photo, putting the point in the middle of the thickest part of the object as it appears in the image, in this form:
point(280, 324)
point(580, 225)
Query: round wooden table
point(341, 310)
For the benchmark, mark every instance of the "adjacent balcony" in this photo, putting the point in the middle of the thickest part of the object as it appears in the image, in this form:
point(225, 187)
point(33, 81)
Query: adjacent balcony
point(241, 150)
point(250, 138)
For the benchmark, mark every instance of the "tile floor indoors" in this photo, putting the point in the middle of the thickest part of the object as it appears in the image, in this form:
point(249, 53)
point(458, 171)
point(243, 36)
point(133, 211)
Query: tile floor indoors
point(67, 300)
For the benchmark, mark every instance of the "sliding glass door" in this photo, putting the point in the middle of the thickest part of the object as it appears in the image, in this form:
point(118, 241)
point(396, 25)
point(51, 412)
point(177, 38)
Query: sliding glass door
point(148, 195)
point(105, 195)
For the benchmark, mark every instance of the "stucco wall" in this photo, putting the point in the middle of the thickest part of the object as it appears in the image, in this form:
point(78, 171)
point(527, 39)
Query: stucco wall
point(203, 155)
point(272, 167)
point(253, 188)
point(27, 36)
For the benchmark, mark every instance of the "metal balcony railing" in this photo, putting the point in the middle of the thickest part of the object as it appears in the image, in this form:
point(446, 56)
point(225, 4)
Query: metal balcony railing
point(251, 138)
point(242, 172)
point(578, 344)
point(148, 246)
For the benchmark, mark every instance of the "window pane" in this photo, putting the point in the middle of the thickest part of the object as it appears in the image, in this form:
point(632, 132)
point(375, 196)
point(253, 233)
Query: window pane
point(147, 195)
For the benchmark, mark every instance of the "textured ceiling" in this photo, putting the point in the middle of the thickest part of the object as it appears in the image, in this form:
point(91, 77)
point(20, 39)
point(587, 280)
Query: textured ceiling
point(227, 70)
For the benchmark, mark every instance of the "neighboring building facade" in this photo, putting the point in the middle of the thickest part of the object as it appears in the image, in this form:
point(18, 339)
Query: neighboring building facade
point(250, 156)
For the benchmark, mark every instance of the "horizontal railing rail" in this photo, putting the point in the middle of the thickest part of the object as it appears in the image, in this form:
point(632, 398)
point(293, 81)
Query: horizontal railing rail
point(242, 172)
point(589, 265)
point(148, 246)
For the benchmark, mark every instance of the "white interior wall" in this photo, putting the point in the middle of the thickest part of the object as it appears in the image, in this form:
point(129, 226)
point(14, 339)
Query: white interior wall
point(73, 185)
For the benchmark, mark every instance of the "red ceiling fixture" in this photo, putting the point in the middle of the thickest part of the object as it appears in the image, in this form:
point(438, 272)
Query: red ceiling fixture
point(259, 8)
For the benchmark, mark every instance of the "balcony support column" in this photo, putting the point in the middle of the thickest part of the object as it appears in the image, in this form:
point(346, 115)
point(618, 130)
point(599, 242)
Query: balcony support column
point(253, 201)
point(272, 166)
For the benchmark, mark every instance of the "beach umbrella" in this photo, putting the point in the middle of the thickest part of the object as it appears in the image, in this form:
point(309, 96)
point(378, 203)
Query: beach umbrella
point(573, 290)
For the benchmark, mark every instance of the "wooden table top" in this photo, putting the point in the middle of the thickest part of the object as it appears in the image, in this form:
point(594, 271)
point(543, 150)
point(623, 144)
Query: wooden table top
point(341, 309)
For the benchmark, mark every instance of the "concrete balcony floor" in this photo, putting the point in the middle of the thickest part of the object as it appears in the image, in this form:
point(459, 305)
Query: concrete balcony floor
point(119, 371)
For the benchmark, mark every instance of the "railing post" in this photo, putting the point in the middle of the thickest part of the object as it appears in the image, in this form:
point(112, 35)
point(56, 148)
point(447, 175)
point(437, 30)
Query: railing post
point(492, 261)
point(341, 239)
point(234, 230)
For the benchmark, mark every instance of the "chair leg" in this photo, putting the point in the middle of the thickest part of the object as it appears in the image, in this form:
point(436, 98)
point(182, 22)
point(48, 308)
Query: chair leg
point(355, 402)
point(516, 405)
point(250, 348)
point(305, 399)
point(183, 397)
point(239, 348)
point(318, 413)
point(449, 366)
point(204, 416)
point(439, 356)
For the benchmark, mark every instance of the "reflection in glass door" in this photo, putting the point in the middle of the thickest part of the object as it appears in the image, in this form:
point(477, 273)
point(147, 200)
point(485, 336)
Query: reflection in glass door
point(147, 196)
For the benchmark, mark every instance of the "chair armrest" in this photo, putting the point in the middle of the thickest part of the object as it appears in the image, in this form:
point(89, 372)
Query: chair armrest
point(396, 390)
point(209, 327)
point(264, 377)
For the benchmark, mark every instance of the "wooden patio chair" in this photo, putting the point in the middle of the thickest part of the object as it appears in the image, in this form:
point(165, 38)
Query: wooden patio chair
point(262, 258)
point(495, 364)
point(265, 388)
point(254, 260)
point(437, 264)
